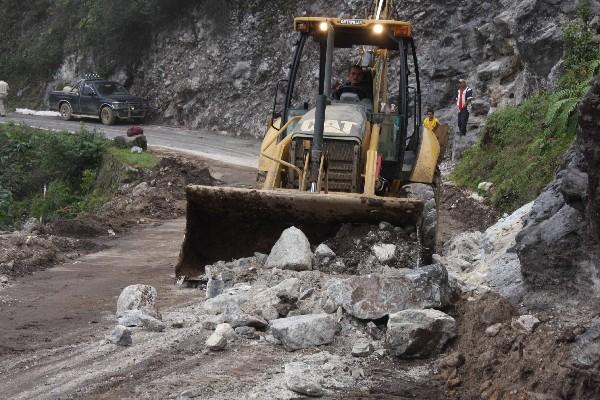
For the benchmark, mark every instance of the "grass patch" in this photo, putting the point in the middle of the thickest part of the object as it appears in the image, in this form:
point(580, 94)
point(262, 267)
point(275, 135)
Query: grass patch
point(136, 160)
point(515, 153)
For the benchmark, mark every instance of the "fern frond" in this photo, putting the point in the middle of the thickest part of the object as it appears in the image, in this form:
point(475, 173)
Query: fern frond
point(595, 66)
point(559, 112)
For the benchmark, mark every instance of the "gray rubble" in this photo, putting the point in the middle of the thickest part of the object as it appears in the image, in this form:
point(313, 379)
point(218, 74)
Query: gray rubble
point(375, 296)
point(138, 297)
point(362, 348)
point(419, 333)
point(138, 318)
point(300, 379)
point(120, 336)
point(216, 342)
point(526, 323)
point(291, 251)
point(304, 331)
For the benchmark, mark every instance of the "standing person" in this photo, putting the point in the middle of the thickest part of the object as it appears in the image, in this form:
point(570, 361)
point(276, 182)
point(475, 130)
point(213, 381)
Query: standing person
point(3, 96)
point(431, 122)
point(465, 95)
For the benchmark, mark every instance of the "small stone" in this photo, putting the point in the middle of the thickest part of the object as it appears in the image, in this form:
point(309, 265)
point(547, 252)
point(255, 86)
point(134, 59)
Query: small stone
point(304, 331)
point(214, 287)
point(216, 342)
point(271, 339)
point(306, 294)
point(261, 258)
point(291, 251)
point(485, 186)
point(138, 297)
point(452, 383)
point(374, 331)
point(385, 226)
point(138, 318)
point(328, 305)
point(362, 348)
point(454, 360)
point(526, 323)
point(248, 320)
point(211, 323)
point(177, 324)
point(493, 330)
point(300, 379)
point(384, 252)
point(246, 332)
point(358, 373)
point(3, 279)
point(323, 251)
point(121, 336)
point(225, 330)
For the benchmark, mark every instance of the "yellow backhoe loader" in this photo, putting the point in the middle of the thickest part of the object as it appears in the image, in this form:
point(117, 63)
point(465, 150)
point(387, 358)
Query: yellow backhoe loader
point(355, 156)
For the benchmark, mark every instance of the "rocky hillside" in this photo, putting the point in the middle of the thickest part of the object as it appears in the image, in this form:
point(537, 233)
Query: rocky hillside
point(222, 71)
point(560, 242)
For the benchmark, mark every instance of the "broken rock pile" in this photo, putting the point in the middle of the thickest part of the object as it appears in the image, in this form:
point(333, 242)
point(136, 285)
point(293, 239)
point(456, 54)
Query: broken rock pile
point(293, 296)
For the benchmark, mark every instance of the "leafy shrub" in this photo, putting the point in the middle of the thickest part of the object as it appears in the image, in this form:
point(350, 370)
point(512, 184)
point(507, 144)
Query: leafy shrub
point(31, 160)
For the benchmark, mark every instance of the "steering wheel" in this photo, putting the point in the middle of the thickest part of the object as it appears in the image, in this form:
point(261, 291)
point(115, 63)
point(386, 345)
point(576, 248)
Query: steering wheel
point(353, 89)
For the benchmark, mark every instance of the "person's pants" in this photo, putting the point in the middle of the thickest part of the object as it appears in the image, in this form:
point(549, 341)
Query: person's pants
point(463, 118)
point(2, 109)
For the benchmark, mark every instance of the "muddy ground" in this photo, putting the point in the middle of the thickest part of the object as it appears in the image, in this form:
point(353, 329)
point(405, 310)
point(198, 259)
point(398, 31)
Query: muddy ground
point(53, 323)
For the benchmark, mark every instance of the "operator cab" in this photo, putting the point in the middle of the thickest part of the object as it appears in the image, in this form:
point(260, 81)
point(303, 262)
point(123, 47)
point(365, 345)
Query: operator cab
point(386, 54)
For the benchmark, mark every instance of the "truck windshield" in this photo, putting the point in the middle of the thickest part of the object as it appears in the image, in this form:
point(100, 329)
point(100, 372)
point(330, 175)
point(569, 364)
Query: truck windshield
point(110, 88)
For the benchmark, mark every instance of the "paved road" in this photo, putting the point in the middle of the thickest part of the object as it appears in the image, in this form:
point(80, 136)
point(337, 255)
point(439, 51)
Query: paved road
point(243, 152)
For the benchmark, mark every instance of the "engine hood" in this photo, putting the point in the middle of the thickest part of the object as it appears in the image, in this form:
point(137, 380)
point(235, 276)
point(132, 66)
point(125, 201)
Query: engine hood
point(342, 121)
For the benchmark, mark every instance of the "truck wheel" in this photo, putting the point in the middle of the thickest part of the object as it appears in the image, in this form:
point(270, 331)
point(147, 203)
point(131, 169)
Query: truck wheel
point(66, 112)
point(107, 115)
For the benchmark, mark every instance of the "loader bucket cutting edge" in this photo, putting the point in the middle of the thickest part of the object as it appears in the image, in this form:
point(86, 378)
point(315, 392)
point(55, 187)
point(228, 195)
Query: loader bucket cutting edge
point(229, 223)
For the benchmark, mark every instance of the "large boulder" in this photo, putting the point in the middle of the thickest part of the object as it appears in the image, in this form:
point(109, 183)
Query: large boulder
point(419, 333)
point(304, 331)
point(291, 251)
point(138, 297)
point(376, 296)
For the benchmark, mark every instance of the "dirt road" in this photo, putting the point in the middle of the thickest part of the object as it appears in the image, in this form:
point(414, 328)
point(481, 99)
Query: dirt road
point(73, 302)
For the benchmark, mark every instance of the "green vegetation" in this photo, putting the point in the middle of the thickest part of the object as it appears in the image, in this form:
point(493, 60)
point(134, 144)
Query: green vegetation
point(136, 160)
point(49, 175)
point(521, 145)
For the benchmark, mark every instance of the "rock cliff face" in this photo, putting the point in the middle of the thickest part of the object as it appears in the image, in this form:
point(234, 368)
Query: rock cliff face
point(560, 241)
point(221, 75)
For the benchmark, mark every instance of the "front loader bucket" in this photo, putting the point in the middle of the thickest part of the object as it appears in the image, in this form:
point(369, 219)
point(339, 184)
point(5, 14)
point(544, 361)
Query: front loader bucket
point(229, 223)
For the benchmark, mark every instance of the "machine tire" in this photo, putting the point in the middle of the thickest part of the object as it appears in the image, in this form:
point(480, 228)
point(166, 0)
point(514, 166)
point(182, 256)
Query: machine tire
point(107, 115)
point(66, 112)
point(429, 223)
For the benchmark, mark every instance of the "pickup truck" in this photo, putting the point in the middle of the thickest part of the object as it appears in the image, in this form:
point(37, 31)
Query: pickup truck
point(98, 98)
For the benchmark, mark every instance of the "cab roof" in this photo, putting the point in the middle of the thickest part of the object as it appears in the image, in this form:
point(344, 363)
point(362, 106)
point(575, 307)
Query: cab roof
point(355, 31)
